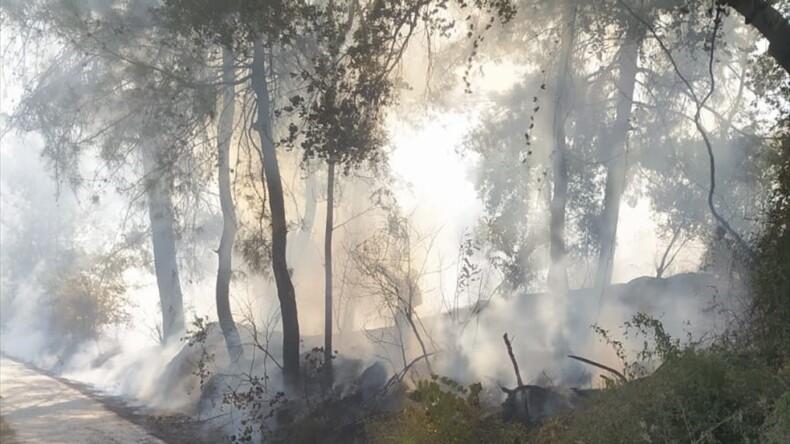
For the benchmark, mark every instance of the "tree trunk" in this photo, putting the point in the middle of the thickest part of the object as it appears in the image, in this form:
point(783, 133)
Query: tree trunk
point(616, 156)
point(330, 209)
point(308, 218)
point(558, 273)
point(160, 213)
point(771, 23)
point(225, 251)
point(271, 173)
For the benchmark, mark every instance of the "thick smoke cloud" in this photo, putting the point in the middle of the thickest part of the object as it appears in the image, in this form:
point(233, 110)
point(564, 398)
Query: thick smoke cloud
point(462, 171)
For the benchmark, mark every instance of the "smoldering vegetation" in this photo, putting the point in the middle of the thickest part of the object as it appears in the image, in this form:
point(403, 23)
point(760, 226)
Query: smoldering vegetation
point(404, 221)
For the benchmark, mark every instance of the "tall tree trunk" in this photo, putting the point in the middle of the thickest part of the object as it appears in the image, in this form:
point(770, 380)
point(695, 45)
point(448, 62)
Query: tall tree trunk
point(271, 173)
point(558, 273)
point(225, 251)
point(310, 205)
point(616, 155)
point(160, 213)
point(770, 23)
point(330, 209)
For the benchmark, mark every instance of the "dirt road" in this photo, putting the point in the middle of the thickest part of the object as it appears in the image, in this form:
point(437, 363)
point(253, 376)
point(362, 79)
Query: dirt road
point(41, 409)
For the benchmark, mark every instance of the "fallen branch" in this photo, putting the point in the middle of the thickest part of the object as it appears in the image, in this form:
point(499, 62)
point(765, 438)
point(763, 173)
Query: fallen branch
point(601, 366)
point(398, 376)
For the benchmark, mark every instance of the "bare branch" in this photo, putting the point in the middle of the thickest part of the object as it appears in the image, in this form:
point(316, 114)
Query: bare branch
point(513, 360)
point(601, 366)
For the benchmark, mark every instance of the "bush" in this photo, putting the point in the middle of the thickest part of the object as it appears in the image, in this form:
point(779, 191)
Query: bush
point(777, 427)
point(697, 396)
point(771, 269)
point(442, 411)
point(87, 295)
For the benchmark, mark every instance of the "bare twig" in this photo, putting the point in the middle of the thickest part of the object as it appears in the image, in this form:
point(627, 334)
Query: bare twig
point(398, 376)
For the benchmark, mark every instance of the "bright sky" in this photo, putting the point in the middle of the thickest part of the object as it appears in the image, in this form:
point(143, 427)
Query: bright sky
point(436, 183)
point(433, 177)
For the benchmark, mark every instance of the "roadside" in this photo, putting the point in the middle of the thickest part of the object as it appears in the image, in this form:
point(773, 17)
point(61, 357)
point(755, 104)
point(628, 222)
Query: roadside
point(38, 406)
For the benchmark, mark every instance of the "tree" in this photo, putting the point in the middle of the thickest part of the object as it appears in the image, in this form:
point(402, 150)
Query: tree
point(262, 30)
point(103, 92)
point(530, 168)
point(558, 274)
point(616, 156)
point(271, 172)
point(225, 250)
point(770, 22)
point(349, 76)
point(163, 239)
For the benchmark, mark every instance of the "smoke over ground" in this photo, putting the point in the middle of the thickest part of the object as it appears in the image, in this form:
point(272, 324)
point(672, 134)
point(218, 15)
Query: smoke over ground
point(456, 215)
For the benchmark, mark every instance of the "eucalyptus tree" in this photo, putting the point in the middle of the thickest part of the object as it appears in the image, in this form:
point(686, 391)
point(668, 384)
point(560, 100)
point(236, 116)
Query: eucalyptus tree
point(532, 168)
point(115, 87)
point(675, 155)
point(360, 44)
point(558, 273)
point(229, 223)
point(262, 32)
point(339, 56)
point(646, 90)
point(623, 95)
point(615, 146)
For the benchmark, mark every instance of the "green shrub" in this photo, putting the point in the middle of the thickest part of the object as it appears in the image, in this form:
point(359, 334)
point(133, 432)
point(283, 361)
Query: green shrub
point(442, 411)
point(770, 274)
point(698, 396)
point(777, 426)
point(87, 295)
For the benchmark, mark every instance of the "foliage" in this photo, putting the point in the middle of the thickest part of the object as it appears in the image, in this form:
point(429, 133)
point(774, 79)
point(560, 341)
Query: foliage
point(770, 271)
point(196, 336)
point(259, 405)
point(86, 295)
point(701, 396)
point(657, 346)
point(233, 23)
point(777, 425)
point(441, 410)
point(256, 250)
point(696, 395)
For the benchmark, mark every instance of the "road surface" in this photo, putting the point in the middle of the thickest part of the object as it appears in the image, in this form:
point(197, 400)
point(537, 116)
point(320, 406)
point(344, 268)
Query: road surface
point(41, 409)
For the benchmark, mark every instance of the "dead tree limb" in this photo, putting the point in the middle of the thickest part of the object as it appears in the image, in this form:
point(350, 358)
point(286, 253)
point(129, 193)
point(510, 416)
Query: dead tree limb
point(601, 366)
point(513, 360)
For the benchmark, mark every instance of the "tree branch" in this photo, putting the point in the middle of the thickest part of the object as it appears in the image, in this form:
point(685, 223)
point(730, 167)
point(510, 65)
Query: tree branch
point(601, 366)
point(697, 115)
point(513, 360)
